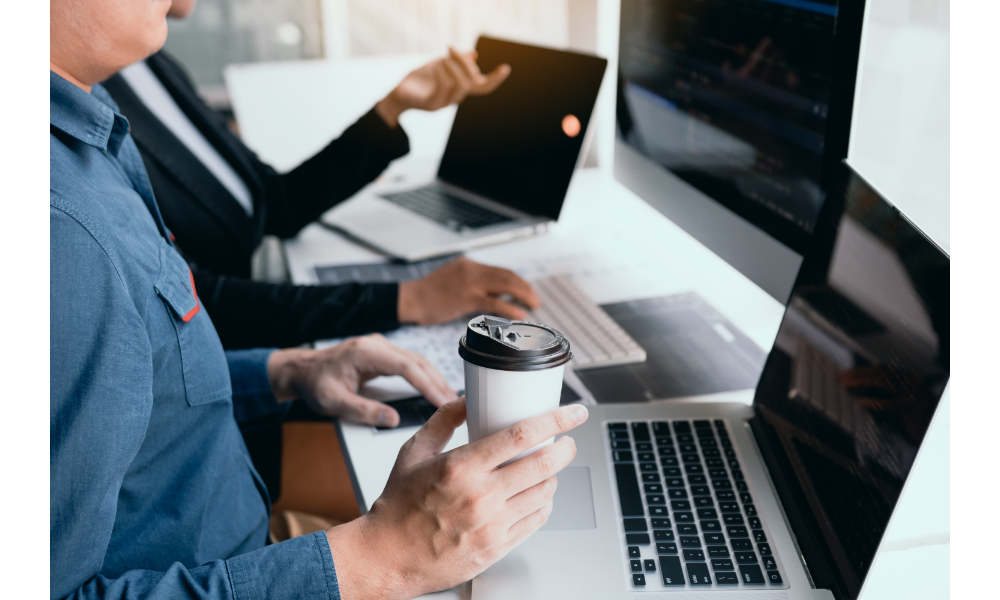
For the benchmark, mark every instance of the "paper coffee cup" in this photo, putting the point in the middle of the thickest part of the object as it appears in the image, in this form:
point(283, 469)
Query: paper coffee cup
point(513, 371)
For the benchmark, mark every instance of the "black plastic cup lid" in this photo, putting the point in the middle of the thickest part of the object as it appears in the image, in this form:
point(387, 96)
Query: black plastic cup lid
point(497, 343)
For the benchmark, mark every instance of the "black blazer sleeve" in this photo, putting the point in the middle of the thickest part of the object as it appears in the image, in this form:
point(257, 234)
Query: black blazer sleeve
point(251, 314)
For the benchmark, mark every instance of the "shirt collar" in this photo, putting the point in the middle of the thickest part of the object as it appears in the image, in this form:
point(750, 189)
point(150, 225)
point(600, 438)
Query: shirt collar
point(91, 118)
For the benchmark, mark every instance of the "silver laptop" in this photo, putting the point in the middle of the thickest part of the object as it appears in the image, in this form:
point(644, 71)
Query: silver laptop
point(784, 499)
point(506, 168)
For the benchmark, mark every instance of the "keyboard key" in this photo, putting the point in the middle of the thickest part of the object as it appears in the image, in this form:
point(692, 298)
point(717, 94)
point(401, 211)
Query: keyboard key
point(713, 473)
point(688, 449)
point(693, 555)
point(666, 548)
point(650, 565)
point(677, 493)
point(663, 535)
point(657, 511)
point(696, 479)
point(718, 552)
point(679, 504)
point(661, 523)
point(722, 564)
point(674, 482)
point(737, 531)
point(665, 451)
point(619, 435)
point(620, 445)
point(750, 510)
point(694, 469)
point(769, 563)
point(638, 579)
point(644, 447)
point(730, 453)
point(710, 526)
point(685, 438)
point(703, 501)
point(755, 524)
point(774, 578)
point(652, 488)
point(633, 551)
point(652, 499)
point(734, 464)
point(636, 565)
point(670, 570)
point(745, 498)
point(647, 467)
point(712, 539)
point(729, 507)
point(628, 491)
point(650, 478)
point(700, 490)
point(721, 484)
point(707, 443)
point(636, 538)
point(741, 545)
point(690, 459)
point(648, 457)
point(758, 536)
point(613, 426)
point(732, 518)
point(661, 428)
point(622, 456)
point(664, 440)
point(703, 424)
point(751, 574)
point(745, 558)
point(687, 529)
point(720, 424)
point(726, 578)
point(682, 427)
point(707, 513)
point(640, 431)
point(698, 574)
point(765, 549)
point(741, 486)
point(737, 475)
point(713, 463)
point(711, 453)
point(669, 461)
point(684, 517)
point(726, 443)
point(635, 525)
point(690, 542)
point(725, 495)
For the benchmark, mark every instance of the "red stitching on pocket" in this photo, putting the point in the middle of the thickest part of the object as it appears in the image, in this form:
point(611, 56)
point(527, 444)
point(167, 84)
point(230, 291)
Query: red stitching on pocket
point(197, 303)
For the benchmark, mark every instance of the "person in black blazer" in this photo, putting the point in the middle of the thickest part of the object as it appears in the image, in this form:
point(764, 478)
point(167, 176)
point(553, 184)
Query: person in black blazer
point(218, 236)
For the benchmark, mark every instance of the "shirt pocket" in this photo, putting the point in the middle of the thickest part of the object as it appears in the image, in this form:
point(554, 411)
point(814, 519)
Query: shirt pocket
point(203, 361)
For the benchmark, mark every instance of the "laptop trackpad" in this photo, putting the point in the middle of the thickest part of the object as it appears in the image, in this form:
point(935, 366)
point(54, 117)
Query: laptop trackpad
point(573, 504)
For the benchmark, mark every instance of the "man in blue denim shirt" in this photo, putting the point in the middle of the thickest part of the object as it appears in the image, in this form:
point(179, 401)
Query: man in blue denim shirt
point(152, 492)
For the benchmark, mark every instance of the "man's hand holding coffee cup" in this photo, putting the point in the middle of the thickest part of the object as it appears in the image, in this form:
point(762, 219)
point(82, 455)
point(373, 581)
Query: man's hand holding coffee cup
point(445, 518)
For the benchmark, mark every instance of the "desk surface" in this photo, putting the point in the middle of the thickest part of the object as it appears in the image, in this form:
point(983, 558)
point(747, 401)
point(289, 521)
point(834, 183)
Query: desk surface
point(614, 246)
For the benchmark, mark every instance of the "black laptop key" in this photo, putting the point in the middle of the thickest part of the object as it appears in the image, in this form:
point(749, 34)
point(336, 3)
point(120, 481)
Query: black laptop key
point(663, 535)
point(698, 574)
point(728, 507)
point(664, 441)
point(670, 570)
point(726, 578)
point(739, 544)
point(711, 526)
point(765, 549)
point(647, 457)
point(633, 552)
point(680, 504)
point(745, 498)
point(687, 529)
point(713, 473)
point(685, 438)
point(734, 464)
point(732, 518)
point(660, 523)
point(720, 424)
point(628, 491)
point(711, 453)
point(690, 542)
point(755, 524)
point(693, 555)
point(774, 578)
point(637, 538)
point(657, 511)
point(694, 469)
point(769, 563)
point(722, 564)
point(750, 510)
point(682, 427)
point(696, 479)
point(726, 443)
point(738, 475)
point(721, 484)
point(647, 467)
point(640, 431)
point(652, 488)
point(745, 558)
point(737, 531)
point(650, 565)
point(636, 565)
point(638, 580)
point(684, 517)
point(661, 428)
point(657, 499)
point(644, 447)
point(707, 513)
point(703, 501)
point(741, 486)
point(701, 490)
point(613, 426)
point(666, 451)
point(758, 536)
point(688, 448)
point(622, 456)
point(669, 461)
point(620, 445)
point(703, 424)
point(666, 548)
point(690, 459)
point(675, 482)
point(650, 478)
point(677, 493)
point(718, 552)
point(730, 453)
point(725, 495)
point(713, 463)
point(635, 525)
point(751, 574)
point(619, 435)
point(707, 443)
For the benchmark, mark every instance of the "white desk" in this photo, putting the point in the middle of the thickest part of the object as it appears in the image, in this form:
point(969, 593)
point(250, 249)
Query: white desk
point(614, 246)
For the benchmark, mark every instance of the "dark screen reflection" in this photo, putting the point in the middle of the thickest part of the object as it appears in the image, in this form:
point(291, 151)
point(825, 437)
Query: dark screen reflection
point(858, 366)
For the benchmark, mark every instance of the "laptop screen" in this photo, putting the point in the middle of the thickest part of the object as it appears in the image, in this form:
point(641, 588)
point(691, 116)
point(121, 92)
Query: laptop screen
point(520, 144)
point(858, 366)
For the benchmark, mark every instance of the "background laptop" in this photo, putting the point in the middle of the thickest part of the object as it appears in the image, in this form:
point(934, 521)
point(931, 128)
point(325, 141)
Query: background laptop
point(787, 498)
point(506, 168)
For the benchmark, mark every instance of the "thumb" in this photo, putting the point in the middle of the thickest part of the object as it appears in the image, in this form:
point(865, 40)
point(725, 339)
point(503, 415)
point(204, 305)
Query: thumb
point(370, 412)
point(492, 81)
point(431, 439)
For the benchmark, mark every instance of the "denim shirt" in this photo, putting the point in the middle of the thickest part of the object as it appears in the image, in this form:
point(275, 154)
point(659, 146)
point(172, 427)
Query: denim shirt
point(152, 492)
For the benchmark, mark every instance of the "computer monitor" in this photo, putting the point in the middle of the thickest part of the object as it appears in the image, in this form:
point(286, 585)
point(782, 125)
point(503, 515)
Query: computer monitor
point(732, 116)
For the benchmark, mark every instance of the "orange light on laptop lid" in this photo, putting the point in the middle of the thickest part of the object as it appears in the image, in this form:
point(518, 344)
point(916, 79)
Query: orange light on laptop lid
point(571, 125)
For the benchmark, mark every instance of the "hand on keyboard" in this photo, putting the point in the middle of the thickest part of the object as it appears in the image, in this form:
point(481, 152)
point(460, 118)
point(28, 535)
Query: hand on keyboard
point(463, 287)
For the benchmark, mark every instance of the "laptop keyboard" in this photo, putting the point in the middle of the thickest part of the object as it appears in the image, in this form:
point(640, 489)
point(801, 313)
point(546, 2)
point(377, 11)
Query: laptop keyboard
point(448, 210)
point(688, 517)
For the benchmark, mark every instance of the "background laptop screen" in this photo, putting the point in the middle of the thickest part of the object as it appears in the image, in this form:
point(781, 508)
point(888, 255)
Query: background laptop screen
point(511, 145)
point(859, 364)
point(740, 99)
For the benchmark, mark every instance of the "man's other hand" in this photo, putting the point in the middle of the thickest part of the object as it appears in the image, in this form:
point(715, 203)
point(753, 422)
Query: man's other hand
point(462, 287)
point(445, 518)
point(328, 380)
point(440, 83)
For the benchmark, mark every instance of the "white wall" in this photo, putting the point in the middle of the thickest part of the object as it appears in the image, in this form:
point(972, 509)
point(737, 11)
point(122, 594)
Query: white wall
point(900, 130)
